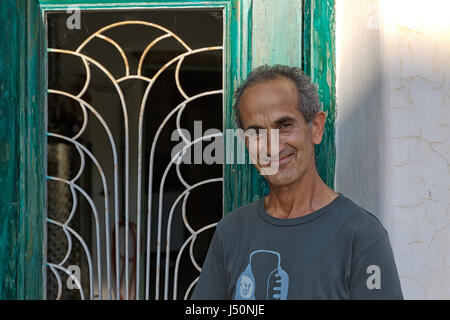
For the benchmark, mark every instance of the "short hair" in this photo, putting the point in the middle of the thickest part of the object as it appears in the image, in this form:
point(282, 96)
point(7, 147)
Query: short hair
point(308, 97)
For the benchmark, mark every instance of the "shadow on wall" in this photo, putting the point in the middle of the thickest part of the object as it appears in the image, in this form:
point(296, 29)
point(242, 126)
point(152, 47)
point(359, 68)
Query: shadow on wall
point(359, 124)
point(392, 146)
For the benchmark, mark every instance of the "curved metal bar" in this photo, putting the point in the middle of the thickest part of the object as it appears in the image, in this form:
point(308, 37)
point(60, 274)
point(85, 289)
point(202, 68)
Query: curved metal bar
point(178, 119)
point(105, 192)
point(97, 225)
point(85, 121)
point(184, 194)
point(178, 124)
point(182, 56)
point(80, 288)
point(126, 129)
point(86, 61)
point(191, 254)
point(185, 184)
point(186, 140)
point(86, 251)
point(83, 128)
point(190, 288)
point(147, 49)
point(180, 253)
point(177, 79)
point(150, 190)
point(68, 237)
point(160, 204)
point(116, 174)
point(119, 48)
point(132, 22)
point(150, 177)
point(134, 77)
point(58, 280)
point(82, 164)
point(149, 202)
point(88, 78)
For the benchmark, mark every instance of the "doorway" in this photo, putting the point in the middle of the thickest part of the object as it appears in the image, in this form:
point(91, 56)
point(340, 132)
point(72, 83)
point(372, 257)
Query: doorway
point(121, 87)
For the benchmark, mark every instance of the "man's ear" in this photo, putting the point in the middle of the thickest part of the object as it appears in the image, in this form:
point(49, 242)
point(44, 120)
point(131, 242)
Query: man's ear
point(317, 127)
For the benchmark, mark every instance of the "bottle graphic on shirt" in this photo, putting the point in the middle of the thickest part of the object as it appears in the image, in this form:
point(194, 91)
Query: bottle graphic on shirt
point(245, 289)
point(277, 282)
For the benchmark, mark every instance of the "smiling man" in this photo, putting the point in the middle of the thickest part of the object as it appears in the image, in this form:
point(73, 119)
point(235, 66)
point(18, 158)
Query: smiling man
point(303, 240)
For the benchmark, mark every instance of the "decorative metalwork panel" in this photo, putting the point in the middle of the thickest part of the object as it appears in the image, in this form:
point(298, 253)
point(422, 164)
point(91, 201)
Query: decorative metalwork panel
point(119, 99)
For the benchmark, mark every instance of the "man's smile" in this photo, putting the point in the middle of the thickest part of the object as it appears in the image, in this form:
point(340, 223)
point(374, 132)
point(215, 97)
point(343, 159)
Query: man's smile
point(278, 162)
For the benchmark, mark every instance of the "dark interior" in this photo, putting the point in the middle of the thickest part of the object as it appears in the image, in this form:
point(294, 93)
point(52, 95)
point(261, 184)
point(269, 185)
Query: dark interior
point(199, 73)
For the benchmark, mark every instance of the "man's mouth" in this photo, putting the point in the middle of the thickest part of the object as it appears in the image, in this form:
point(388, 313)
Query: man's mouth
point(279, 161)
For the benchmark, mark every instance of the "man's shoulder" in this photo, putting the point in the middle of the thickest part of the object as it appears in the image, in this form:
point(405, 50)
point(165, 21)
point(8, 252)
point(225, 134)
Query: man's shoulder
point(364, 224)
point(360, 214)
point(239, 216)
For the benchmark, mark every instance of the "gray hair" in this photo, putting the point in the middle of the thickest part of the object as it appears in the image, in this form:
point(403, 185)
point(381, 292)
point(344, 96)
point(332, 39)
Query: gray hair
point(308, 103)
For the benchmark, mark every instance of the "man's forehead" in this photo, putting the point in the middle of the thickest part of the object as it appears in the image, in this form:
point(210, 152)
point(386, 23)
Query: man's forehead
point(275, 93)
point(274, 117)
point(280, 86)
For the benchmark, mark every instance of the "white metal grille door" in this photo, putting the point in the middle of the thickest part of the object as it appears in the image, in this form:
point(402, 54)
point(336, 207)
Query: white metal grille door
point(135, 101)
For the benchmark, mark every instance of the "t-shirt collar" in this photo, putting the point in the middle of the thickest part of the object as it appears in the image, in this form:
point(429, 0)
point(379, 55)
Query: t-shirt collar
point(299, 220)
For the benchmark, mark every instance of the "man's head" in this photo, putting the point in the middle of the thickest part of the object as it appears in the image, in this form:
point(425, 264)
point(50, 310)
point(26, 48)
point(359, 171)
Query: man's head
point(283, 98)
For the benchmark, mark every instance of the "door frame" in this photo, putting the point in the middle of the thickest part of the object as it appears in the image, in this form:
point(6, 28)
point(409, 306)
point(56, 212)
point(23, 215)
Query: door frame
point(23, 133)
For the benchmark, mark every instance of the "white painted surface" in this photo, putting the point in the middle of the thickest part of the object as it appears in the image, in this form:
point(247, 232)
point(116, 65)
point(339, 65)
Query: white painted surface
point(393, 129)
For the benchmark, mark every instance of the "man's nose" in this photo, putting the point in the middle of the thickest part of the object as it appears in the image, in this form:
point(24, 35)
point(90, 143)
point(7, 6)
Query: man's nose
point(271, 144)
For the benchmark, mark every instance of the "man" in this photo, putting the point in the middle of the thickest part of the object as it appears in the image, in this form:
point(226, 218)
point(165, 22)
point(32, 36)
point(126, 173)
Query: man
point(303, 240)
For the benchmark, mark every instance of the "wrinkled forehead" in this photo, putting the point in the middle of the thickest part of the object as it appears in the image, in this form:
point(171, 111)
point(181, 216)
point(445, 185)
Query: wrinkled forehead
point(269, 101)
point(279, 87)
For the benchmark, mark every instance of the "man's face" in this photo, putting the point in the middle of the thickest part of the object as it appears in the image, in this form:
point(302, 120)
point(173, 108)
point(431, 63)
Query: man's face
point(273, 105)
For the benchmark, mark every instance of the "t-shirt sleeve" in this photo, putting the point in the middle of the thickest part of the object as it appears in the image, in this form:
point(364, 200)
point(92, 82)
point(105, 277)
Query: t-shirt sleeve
point(374, 274)
point(212, 284)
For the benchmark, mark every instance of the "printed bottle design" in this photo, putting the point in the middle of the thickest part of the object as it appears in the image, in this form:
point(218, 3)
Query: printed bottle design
point(245, 289)
point(277, 281)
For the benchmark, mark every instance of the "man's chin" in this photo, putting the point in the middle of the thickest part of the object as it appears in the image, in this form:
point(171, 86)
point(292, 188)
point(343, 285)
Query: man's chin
point(279, 179)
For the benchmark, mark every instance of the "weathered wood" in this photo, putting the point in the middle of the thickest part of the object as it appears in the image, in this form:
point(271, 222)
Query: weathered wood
point(270, 32)
point(277, 32)
point(22, 202)
point(48, 4)
point(9, 147)
point(33, 161)
point(319, 62)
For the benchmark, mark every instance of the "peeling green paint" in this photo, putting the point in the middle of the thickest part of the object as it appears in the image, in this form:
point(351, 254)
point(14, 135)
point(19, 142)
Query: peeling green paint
point(22, 145)
point(319, 63)
point(277, 32)
point(9, 147)
point(241, 182)
point(108, 4)
point(294, 33)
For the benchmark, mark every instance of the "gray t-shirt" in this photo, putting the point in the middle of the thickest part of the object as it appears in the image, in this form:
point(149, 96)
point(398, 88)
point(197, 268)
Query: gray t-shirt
point(340, 251)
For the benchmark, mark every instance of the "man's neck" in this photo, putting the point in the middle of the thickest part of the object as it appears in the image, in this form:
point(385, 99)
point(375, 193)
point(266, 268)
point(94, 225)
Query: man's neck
point(300, 198)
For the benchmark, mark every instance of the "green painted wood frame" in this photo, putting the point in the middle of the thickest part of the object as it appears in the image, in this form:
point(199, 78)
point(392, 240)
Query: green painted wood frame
point(23, 105)
point(319, 62)
point(22, 157)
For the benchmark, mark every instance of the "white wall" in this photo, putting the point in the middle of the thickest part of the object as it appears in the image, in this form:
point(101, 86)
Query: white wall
point(393, 129)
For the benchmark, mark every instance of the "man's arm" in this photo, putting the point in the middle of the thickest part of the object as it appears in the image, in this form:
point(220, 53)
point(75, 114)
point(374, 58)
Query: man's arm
point(212, 284)
point(374, 274)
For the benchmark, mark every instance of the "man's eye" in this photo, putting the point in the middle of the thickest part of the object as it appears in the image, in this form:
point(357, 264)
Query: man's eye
point(286, 125)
